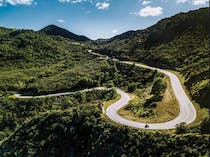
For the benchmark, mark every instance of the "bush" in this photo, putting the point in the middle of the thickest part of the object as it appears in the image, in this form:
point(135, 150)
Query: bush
point(205, 126)
point(131, 88)
point(181, 128)
point(145, 113)
point(159, 86)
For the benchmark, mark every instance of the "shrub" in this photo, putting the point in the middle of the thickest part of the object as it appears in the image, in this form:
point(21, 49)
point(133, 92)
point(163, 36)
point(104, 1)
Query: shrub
point(158, 87)
point(181, 128)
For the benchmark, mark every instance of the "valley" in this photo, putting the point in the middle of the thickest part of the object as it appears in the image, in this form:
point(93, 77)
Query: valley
point(141, 93)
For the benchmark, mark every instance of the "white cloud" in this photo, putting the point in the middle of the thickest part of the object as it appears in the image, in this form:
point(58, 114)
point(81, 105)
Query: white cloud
point(61, 20)
point(114, 31)
point(200, 2)
point(78, 1)
point(151, 11)
point(1, 3)
point(194, 2)
point(146, 2)
point(99, 5)
point(102, 5)
point(134, 13)
point(70, 1)
point(19, 2)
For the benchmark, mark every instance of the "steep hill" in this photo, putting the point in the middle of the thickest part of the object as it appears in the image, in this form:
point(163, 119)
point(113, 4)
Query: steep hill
point(180, 42)
point(55, 30)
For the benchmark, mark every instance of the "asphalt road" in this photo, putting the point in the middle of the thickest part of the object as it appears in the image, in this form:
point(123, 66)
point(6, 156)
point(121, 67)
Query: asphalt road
point(58, 94)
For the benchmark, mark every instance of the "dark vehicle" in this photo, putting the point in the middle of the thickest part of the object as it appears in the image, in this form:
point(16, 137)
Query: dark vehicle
point(146, 126)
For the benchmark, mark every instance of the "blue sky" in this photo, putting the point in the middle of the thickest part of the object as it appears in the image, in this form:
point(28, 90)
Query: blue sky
point(93, 18)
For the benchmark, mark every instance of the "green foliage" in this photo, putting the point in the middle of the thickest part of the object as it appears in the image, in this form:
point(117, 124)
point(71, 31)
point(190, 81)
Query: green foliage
point(205, 126)
point(24, 49)
point(159, 86)
point(131, 87)
point(83, 132)
point(13, 112)
point(181, 128)
point(54, 64)
point(36, 63)
point(145, 113)
point(144, 108)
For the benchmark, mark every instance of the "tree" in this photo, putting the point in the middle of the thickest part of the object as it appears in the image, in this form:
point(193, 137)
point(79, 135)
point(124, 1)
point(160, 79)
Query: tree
point(181, 128)
point(205, 126)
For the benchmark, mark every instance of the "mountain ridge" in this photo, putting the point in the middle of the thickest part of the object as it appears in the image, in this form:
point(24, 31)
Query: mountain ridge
point(153, 27)
point(55, 30)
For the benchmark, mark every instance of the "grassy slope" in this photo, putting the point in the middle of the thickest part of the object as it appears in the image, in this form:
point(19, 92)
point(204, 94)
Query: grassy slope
point(166, 109)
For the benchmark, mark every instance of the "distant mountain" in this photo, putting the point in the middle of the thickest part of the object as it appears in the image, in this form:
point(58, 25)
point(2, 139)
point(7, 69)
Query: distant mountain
point(55, 30)
point(180, 42)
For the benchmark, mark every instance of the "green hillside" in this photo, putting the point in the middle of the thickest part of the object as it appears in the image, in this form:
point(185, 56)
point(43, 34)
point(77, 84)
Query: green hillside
point(33, 63)
point(180, 42)
point(26, 48)
point(27, 57)
point(55, 30)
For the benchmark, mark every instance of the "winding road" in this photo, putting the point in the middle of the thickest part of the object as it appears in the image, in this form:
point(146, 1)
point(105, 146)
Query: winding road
point(59, 94)
point(187, 112)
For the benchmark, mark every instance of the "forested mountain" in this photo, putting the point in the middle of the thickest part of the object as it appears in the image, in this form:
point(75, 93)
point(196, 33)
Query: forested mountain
point(24, 48)
point(54, 60)
point(35, 63)
point(55, 30)
point(180, 42)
